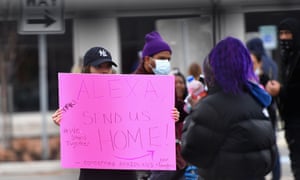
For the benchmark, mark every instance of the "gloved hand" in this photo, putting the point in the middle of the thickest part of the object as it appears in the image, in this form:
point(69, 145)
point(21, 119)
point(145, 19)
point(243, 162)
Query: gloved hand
point(191, 173)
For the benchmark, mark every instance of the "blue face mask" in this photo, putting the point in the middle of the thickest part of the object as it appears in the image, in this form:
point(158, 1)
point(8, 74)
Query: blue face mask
point(162, 67)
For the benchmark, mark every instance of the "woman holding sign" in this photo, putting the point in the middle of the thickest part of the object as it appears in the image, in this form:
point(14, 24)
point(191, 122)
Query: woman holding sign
point(98, 60)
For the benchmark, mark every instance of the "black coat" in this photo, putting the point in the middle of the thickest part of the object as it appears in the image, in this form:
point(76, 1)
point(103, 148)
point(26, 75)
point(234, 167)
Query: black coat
point(229, 137)
point(99, 174)
point(289, 95)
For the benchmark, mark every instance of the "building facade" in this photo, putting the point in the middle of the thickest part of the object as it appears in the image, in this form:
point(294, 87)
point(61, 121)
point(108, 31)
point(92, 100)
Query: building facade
point(192, 27)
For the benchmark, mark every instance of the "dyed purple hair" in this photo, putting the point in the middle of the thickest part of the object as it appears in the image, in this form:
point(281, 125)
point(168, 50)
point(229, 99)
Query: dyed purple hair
point(229, 66)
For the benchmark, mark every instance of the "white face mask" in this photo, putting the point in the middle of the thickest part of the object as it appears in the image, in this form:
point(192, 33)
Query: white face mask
point(257, 71)
point(162, 67)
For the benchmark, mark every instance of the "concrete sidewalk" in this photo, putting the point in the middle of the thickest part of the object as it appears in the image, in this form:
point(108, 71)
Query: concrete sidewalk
point(32, 167)
point(53, 166)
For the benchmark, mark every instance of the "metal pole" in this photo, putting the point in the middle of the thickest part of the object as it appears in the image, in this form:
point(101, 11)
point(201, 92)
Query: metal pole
point(43, 91)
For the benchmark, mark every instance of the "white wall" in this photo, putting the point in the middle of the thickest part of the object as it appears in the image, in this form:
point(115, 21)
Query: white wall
point(232, 24)
point(189, 38)
point(105, 32)
point(102, 32)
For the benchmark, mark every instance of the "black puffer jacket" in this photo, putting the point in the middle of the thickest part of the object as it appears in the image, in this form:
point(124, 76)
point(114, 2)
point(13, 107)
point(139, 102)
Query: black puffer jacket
point(229, 138)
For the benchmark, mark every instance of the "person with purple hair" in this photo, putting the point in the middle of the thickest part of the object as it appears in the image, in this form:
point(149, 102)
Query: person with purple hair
point(228, 135)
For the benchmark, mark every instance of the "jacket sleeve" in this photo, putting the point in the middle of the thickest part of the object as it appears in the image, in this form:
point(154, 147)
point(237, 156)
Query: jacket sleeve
point(202, 136)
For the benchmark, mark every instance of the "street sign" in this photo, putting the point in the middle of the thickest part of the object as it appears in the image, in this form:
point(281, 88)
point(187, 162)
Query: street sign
point(268, 34)
point(41, 17)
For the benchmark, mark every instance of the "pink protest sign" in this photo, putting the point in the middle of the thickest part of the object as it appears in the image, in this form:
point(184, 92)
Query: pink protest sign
point(117, 121)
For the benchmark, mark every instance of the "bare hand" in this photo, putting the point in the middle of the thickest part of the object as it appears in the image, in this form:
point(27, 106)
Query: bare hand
point(175, 114)
point(194, 101)
point(56, 117)
point(273, 87)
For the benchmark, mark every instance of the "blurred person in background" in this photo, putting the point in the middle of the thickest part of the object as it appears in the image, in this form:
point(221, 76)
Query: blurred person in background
point(183, 170)
point(263, 79)
point(195, 72)
point(269, 66)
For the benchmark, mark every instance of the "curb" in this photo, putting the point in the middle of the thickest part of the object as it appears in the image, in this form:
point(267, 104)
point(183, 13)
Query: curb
point(31, 167)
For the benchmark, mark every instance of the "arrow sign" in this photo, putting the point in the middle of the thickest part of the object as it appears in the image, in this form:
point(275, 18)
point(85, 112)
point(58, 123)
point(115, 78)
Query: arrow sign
point(149, 153)
point(47, 20)
point(41, 17)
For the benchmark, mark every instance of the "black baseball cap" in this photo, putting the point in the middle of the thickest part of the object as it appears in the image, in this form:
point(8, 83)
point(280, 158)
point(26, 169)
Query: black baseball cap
point(96, 56)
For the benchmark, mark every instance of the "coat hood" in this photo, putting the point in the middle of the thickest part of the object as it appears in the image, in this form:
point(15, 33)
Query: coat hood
point(292, 25)
point(256, 45)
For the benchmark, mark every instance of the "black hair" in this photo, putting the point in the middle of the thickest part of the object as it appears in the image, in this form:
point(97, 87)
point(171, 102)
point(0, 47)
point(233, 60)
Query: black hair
point(176, 72)
point(86, 69)
point(257, 55)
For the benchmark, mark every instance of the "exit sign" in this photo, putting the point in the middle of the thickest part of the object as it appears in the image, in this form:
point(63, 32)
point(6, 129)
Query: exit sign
point(41, 17)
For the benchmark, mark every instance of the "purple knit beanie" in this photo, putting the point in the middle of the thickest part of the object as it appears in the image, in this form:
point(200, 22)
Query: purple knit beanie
point(154, 44)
